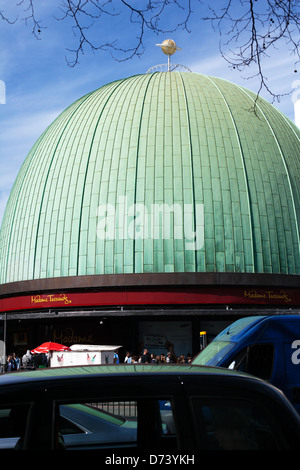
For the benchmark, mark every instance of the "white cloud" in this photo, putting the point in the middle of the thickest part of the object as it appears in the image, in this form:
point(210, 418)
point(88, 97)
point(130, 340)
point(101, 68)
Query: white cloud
point(18, 134)
point(280, 77)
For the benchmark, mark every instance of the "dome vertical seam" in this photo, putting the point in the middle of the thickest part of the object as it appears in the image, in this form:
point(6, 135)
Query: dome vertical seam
point(289, 124)
point(46, 179)
point(191, 160)
point(17, 199)
point(136, 164)
point(244, 171)
point(287, 173)
point(297, 137)
point(86, 170)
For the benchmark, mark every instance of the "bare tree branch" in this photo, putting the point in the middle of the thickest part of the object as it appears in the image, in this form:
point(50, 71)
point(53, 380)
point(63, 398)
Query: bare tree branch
point(254, 33)
point(30, 16)
point(84, 14)
point(4, 18)
point(144, 18)
point(249, 30)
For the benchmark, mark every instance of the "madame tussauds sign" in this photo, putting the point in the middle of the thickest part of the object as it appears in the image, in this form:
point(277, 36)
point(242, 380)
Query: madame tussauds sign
point(51, 298)
point(161, 221)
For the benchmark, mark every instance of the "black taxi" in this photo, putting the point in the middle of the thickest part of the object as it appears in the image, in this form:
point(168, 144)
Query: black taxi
point(143, 407)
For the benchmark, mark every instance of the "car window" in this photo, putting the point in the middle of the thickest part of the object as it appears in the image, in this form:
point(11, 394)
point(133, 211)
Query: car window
point(13, 419)
point(108, 424)
point(167, 418)
point(225, 424)
point(257, 359)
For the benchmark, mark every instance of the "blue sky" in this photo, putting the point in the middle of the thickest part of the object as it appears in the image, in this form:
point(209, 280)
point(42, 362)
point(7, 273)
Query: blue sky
point(39, 84)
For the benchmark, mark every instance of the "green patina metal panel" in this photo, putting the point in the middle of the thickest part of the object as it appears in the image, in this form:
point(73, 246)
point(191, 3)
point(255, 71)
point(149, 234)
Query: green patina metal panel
point(127, 175)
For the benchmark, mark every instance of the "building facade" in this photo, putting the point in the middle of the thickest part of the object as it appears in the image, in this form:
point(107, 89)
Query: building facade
point(150, 209)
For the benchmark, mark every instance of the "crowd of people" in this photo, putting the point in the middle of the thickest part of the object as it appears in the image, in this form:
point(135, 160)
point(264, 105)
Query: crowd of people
point(15, 362)
point(151, 358)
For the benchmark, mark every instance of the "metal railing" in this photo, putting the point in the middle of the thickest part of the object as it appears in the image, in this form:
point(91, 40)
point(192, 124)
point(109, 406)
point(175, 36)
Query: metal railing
point(126, 409)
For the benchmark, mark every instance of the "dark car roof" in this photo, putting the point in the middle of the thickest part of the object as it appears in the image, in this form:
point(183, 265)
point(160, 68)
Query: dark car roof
point(163, 375)
point(46, 374)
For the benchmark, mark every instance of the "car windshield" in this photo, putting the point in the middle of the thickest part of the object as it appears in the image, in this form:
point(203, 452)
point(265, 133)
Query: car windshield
point(214, 353)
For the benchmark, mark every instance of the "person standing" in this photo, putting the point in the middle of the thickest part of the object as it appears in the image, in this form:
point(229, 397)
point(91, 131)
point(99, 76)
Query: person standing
point(17, 361)
point(11, 365)
point(8, 367)
point(170, 358)
point(146, 358)
point(27, 360)
point(128, 358)
point(116, 357)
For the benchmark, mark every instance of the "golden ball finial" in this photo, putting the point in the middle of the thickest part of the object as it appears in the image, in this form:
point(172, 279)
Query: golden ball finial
point(168, 46)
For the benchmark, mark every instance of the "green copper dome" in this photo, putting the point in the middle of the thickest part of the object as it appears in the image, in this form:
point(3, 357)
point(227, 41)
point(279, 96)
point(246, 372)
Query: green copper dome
point(90, 195)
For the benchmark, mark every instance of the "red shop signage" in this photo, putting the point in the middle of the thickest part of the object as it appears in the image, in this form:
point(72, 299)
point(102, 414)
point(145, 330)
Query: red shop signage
point(163, 296)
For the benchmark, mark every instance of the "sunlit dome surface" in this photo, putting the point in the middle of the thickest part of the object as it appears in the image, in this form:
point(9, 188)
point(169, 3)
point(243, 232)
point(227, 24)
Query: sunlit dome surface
point(181, 139)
